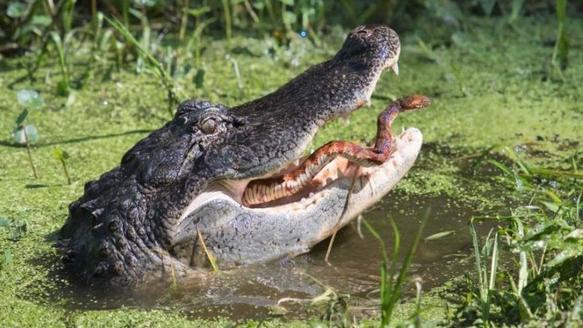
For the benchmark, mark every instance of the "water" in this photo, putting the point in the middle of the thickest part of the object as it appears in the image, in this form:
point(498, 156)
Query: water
point(254, 291)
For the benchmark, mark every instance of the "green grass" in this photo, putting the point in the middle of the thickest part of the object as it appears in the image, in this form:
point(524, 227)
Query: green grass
point(393, 280)
point(542, 244)
point(162, 73)
point(490, 91)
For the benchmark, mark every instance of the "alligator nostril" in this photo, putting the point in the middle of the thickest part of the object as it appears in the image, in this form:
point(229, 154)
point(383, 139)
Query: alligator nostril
point(363, 32)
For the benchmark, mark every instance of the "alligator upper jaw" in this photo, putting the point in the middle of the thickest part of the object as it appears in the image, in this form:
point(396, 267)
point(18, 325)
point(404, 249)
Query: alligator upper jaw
point(236, 234)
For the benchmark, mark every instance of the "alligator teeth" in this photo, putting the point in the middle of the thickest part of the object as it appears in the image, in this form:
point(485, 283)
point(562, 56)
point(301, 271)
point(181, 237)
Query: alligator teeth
point(395, 68)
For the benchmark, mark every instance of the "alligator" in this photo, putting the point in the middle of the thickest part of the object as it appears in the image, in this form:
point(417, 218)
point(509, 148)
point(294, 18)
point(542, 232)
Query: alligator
point(231, 186)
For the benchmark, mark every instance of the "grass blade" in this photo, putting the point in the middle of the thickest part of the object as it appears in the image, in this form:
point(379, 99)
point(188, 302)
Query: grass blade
point(391, 286)
point(159, 68)
point(209, 255)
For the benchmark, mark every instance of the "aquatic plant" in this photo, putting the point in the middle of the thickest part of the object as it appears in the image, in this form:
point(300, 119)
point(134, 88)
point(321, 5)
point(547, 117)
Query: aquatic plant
point(16, 230)
point(67, 15)
point(516, 9)
point(227, 14)
point(546, 234)
point(27, 134)
point(159, 69)
point(486, 275)
point(23, 23)
point(391, 281)
point(104, 43)
point(561, 50)
point(194, 43)
point(64, 87)
point(62, 156)
point(333, 307)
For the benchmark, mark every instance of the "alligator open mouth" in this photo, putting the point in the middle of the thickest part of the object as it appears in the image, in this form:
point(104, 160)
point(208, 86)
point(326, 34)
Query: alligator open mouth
point(292, 202)
point(342, 190)
point(302, 181)
point(288, 211)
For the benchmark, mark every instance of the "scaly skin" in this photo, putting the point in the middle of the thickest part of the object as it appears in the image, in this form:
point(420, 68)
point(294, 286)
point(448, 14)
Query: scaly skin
point(141, 221)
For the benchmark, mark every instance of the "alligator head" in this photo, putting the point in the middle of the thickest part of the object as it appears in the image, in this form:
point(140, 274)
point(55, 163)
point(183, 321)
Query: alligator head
point(176, 197)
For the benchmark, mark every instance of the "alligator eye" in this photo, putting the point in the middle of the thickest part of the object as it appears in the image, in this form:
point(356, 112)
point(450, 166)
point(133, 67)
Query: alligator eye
point(209, 125)
point(363, 32)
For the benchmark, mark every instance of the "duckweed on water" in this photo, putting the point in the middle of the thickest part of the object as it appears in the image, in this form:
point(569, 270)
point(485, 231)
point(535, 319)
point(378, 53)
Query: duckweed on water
point(490, 91)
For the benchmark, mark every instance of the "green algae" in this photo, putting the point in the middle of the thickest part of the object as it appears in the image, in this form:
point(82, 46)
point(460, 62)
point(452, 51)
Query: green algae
point(490, 88)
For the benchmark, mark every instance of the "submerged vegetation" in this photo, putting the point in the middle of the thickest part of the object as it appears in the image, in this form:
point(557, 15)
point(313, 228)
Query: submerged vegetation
point(82, 81)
